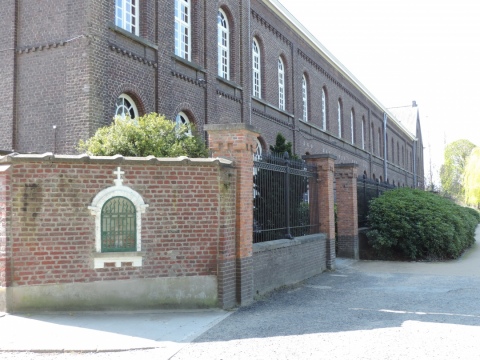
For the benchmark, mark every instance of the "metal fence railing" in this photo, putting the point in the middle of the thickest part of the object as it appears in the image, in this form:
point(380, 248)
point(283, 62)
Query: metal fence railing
point(282, 190)
point(367, 190)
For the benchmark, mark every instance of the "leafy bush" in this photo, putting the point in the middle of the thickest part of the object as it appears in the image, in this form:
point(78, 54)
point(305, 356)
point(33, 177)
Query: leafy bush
point(415, 224)
point(151, 134)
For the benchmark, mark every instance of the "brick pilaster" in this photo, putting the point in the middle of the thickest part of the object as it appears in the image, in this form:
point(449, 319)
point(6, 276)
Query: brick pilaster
point(4, 215)
point(347, 211)
point(325, 164)
point(237, 142)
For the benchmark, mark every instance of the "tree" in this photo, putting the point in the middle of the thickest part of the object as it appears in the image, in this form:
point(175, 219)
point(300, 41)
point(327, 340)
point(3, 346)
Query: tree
point(472, 178)
point(451, 172)
point(151, 134)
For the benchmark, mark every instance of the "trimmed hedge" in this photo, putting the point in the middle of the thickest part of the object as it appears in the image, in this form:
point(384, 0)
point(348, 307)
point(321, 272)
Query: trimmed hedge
point(418, 225)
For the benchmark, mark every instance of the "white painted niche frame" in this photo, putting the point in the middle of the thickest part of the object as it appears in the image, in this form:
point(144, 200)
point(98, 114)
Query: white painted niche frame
point(118, 190)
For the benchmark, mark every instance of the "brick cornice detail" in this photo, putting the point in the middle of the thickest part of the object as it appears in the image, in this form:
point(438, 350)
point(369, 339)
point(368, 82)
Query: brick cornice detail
point(268, 26)
point(131, 55)
point(272, 118)
point(230, 97)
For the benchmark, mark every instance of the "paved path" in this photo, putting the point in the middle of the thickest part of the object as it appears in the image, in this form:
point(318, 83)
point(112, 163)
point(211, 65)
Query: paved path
point(364, 310)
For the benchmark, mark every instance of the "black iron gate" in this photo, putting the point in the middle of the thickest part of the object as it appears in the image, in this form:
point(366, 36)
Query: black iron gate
point(283, 194)
point(368, 190)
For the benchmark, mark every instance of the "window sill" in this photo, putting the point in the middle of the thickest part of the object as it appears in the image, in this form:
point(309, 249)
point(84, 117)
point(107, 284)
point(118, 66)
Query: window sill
point(118, 258)
point(188, 63)
point(229, 82)
point(133, 37)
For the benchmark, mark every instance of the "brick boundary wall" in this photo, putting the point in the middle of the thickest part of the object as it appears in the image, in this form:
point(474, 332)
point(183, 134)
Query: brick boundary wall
point(49, 232)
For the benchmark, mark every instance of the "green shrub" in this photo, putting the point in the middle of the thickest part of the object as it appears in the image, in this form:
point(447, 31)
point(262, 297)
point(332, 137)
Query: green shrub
point(151, 134)
point(415, 224)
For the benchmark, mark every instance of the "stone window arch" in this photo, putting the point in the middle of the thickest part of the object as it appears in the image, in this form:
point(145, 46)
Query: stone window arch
point(121, 241)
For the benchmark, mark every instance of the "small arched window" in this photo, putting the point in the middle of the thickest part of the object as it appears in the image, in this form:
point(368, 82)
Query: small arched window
point(223, 46)
point(125, 106)
point(324, 109)
point(119, 229)
point(363, 132)
point(281, 84)
point(304, 98)
point(256, 70)
point(182, 119)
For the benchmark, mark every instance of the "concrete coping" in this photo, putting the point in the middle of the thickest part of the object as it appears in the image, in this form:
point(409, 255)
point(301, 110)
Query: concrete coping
point(116, 159)
point(283, 243)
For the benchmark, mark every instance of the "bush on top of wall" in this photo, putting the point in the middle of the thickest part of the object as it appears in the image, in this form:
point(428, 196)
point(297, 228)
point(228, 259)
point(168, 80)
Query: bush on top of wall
point(417, 225)
point(151, 134)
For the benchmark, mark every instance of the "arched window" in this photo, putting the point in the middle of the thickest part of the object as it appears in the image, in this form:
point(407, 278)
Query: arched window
point(125, 106)
point(352, 130)
point(256, 69)
point(183, 29)
point(127, 15)
point(379, 142)
point(339, 118)
point(393, 151)
point(258, 151)
point(182, 119)
point(324, 109)
point(223, 46)
point(373, 139)
point(281, 84)
point(363, 132)
point(119, 229)
point(304, 99)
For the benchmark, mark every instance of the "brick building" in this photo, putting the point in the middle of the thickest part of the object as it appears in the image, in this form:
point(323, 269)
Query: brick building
point(67, 67)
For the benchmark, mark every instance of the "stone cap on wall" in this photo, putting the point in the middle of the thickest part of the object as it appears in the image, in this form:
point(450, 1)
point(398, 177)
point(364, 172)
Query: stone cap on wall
point(116, 159)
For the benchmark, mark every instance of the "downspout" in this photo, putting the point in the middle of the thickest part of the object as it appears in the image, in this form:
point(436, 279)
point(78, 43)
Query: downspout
point(414, 163)
point(250, 75)
point(385, 147)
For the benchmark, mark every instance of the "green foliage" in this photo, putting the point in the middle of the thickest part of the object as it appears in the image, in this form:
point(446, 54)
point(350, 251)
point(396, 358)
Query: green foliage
point(451, 172)
point(151, 134)
point(472, 178)
point(281, 146)
point(414, 224)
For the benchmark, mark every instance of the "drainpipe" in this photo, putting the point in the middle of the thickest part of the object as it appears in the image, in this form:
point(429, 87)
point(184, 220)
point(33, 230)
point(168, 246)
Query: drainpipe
point(250, 76)
point(385, 147)
point(414, 163)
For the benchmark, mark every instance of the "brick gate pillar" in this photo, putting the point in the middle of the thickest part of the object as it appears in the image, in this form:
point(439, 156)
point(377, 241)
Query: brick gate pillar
point(325, 164)
point(238, 142)
point(5, 208)
point(347, 211)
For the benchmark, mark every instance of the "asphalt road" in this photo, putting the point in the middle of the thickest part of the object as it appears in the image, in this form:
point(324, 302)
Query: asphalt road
point(363, 310)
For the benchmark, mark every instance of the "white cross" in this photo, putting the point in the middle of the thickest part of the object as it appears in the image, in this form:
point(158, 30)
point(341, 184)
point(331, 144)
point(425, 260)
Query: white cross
point(119, 173)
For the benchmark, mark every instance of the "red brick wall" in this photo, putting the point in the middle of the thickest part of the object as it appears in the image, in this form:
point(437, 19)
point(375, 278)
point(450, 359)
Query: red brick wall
point(4, 216)
point(185, 226)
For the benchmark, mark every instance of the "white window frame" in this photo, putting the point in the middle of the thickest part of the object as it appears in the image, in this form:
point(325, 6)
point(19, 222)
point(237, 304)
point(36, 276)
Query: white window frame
point(126, 105)
point(304, 99)
point(183, 29)
point(352, 119)
point(223, 39)
point(339, 118)
point(182, 119)
point(281, 84)
point(127, 15)
point(324, 110)
point(256, 70)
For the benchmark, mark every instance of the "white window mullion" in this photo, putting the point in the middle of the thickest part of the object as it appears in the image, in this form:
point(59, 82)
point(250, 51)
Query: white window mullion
point(324, 110)
point(223, 46)
point(182, 29)
point(339, 116)
point(127, 15)
point(304, 99)
point(352, 137)
point(256, 71)
point(281, 85)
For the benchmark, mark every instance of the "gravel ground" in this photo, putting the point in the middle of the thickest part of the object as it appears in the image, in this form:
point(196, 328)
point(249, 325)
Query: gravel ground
point(352, 313)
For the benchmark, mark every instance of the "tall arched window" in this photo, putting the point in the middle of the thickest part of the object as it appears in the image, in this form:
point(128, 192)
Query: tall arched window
point(373, 139)
point(363, 132)
point(324, 109)
point(183, 29)
point(380, 142)
point(125, 106)
point(127, 15)
point(393, 151)
point(256, 70)
point(352, 130)
point(339, 117)
point(223, 46)
point(304, 98)
point(281, 84)
point(182, 119)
